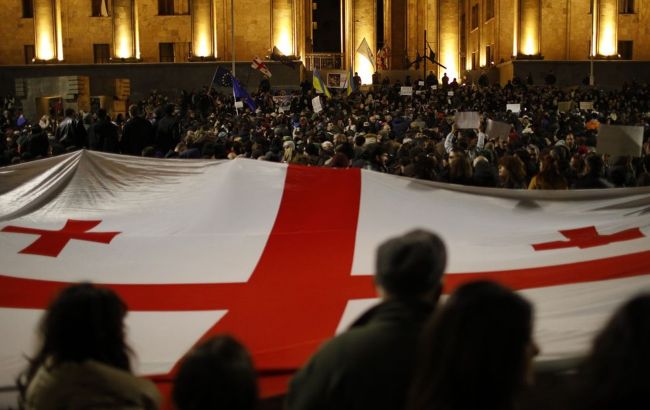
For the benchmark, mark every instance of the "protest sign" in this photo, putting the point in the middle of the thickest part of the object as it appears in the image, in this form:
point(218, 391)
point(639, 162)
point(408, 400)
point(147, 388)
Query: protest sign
point(315, 103)
point(497, 129)
point(515, 108)
point(617, 140)
point(468, 120)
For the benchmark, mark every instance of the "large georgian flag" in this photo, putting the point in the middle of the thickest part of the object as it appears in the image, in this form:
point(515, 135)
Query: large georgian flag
point(282, 256)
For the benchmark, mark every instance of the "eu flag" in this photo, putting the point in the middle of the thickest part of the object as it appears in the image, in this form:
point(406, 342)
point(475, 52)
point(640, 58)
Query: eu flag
point(222, 78)
point(240, 92)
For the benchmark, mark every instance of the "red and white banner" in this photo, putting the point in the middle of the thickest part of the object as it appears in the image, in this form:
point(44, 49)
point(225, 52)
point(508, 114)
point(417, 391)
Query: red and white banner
point(283, 256)
point(259, 65)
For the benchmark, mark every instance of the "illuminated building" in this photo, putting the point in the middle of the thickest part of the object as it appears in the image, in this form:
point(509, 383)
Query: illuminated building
point(466, 35)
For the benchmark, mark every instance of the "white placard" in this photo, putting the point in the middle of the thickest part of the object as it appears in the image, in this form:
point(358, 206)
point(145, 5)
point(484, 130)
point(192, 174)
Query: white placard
point(497, 129)
point(617, 140)
point(564, 106)
point(406, 91)
point(587, 105)
point(450, 93)
point(239, 104)
point(468, 120)
point(315, 103)
point(515, 108)
point(420, 83)
point(434, 87)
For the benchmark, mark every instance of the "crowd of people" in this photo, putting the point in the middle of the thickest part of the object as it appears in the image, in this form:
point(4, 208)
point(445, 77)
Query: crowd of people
point(377, 128)
point(410, 351)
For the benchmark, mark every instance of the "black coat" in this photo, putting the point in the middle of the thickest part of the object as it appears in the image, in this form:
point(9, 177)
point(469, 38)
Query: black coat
point(137, 134)
point(368, 367)
point(167, 134)
point(104, 136)
point(37, 144)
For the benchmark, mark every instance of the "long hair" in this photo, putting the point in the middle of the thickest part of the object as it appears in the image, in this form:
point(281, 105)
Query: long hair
point(474, 351)
point(83, 322)
point(549, 177)
point(515, 172)
point(615, 374)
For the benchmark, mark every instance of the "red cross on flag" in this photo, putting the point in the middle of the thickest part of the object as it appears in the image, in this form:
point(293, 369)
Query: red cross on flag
point(259, 65)
point(283, 256)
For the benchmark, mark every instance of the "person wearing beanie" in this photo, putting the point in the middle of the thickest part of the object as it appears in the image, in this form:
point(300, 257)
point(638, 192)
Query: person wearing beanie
point(370, 366)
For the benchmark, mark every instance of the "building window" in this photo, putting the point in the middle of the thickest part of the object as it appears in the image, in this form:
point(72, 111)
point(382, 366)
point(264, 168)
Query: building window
point(474, 17)
point(172, 7)
point(102, 53)
point(625, 49)
point(99, 8)
point(474, 60)
point(489, 56)
point(165, 7)
point(626, 6)
point(30, 53)
point(166, 52)
point(489, 9)
point(28, 9)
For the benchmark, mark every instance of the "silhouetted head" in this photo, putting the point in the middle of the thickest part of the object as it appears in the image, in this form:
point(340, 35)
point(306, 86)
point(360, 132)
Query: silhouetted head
point(411, 264)
point(218, 374)
point(477, 350)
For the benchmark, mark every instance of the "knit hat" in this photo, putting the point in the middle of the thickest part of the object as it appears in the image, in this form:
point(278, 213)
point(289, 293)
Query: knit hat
point(411, 264)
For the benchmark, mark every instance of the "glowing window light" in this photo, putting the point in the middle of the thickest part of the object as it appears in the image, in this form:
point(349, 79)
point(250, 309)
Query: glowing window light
point(284, 42)
point(364, 68)
point(607, 21)
point(202, 31)
point(450, 60)
point(45, 49)
point(46, 33)
point(283, 26)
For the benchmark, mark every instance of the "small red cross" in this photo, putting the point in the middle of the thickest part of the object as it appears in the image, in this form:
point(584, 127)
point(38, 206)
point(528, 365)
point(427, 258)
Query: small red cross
point(588, 238)
point(51, 243)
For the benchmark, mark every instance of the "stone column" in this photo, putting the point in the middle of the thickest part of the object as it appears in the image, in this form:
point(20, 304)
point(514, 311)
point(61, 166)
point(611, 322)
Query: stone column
point(529, 15)
point(283, 26)
point(359, 24)
point(204, 42)
point(125, 29)
point(47, 30)
point(449, 38)
point(606, 29)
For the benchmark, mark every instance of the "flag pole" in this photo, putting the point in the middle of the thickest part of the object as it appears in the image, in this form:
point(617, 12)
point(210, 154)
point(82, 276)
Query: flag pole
point(424, 73)
point(232, 37)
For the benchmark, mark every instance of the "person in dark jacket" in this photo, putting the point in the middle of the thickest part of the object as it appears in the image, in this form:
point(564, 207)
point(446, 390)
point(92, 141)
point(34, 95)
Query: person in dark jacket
point(68, 132)
point(103, 135)
point(370, 366)
point(37, 143)
point(137, 134)
point(593, 174)
point(167, 131)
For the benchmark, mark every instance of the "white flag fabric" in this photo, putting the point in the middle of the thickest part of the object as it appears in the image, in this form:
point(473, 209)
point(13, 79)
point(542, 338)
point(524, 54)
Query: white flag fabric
point(364, 50)
point(282, 256)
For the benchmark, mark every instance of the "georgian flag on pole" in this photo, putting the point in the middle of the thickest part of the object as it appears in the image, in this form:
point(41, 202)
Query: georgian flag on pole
point(282, 256)
point(259, 65)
